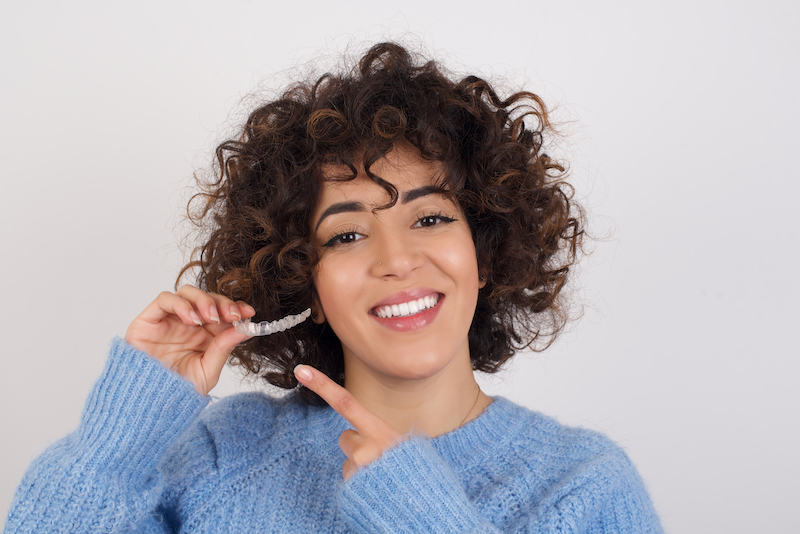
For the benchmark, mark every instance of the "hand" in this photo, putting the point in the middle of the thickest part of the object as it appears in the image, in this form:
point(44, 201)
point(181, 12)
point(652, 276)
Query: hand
point(372, 435)
point(190, 332)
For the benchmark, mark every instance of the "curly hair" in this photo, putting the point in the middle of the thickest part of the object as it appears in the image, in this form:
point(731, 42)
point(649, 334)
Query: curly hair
point(525, 224)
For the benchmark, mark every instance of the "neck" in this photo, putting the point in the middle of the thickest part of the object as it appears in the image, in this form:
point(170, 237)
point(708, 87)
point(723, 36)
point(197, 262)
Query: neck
point(432, 405)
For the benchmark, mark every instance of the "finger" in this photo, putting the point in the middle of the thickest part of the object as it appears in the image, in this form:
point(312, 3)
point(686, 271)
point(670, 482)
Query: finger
point(341, 400)
point(205, 303)
point(217, 354)
point(216, 308)
point(227, 310)
point(240, 310)
point(349, 442)
point(349, 469)
point(361, 451)
point(166, 304)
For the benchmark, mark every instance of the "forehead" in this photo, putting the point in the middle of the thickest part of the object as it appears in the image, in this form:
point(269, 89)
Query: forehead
point(403, 167)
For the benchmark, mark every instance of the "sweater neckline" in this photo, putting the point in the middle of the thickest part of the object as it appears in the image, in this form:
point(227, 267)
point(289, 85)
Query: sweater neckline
point(482, 437)
point(462, 447)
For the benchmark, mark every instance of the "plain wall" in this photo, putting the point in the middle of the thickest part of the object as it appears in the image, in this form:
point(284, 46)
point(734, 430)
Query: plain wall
point(681, 130)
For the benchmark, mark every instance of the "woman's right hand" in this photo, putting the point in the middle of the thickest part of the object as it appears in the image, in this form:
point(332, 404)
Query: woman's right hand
point(190, 332)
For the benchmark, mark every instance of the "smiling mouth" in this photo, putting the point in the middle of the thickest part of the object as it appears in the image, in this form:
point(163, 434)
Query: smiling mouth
point(406, 309)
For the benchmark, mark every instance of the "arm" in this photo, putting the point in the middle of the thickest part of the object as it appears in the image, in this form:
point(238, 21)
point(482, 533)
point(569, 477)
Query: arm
point(103, 477)
point(393, 482)
point(412, 489)
point(400, 483)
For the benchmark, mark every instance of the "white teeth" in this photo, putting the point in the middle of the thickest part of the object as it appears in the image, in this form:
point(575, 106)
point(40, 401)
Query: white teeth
point(407, 308)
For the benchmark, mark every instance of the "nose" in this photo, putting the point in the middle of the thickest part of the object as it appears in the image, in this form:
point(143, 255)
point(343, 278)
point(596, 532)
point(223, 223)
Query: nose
point(396, 254)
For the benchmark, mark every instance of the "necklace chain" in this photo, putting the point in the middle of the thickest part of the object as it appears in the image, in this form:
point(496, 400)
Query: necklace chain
point(478, 396)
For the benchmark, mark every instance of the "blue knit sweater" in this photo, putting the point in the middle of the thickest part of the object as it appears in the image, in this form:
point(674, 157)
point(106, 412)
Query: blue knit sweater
point(149, 456)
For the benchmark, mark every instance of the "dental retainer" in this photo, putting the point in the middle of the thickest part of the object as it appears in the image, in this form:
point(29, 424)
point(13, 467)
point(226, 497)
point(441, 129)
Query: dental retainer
point(265, 328)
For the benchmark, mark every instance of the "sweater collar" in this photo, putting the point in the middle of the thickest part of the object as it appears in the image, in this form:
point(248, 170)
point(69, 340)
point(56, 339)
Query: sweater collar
point(473, 443)
point(481, 439)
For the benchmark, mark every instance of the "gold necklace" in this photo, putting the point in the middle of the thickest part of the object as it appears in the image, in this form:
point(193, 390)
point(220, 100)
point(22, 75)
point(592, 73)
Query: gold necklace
point(478, 396)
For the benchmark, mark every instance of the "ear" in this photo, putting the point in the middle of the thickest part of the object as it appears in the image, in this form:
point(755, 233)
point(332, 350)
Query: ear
point(484, 267)
point(482, 278)
point(317, 315)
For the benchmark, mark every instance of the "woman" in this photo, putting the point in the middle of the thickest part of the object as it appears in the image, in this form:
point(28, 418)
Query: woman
point(430, 236)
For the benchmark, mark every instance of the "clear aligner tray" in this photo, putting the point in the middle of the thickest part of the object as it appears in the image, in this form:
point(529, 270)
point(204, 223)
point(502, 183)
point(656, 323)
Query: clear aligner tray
point(266, 328)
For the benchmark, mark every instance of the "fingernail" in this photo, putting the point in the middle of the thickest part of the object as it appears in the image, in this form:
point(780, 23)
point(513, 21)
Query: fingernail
point(235, 311)
point(194, 317)
point(303, 373)
point(214, 314)
point(251, 309)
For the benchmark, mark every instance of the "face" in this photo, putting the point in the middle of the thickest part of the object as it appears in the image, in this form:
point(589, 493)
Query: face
point(399, 286)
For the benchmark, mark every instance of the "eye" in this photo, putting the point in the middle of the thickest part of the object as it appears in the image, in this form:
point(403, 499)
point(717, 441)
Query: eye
point(344, 238)
point(426, 221)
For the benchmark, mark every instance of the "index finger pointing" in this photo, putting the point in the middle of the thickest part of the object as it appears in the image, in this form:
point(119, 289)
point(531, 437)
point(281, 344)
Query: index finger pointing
point(364, 421)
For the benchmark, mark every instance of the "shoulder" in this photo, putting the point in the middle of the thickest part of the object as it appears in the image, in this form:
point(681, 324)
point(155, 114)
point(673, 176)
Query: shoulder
point(521, 446)
point(572, 443)
point(236, 433)
point(567, 449)
point(257, 422)
point(523, 432)
point(252, 415)
point(561, 468)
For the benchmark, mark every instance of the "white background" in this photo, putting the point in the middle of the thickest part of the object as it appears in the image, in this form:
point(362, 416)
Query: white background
point(681, 128)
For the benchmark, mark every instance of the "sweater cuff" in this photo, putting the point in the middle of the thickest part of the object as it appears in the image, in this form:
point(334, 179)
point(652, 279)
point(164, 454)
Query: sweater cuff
point(409, 489)
point(135, 410)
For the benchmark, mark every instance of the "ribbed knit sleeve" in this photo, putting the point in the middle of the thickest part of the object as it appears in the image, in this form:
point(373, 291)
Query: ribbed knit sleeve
point(410, 489)
point(508, 471)
point(103, 476)
point(144, 460)
point(603, 496)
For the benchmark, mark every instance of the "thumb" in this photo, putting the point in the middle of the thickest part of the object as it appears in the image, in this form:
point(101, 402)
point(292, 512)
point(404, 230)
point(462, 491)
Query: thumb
point(217, 353)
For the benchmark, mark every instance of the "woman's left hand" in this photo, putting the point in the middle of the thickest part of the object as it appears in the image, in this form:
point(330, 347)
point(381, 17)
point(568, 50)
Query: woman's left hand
point(372, 435)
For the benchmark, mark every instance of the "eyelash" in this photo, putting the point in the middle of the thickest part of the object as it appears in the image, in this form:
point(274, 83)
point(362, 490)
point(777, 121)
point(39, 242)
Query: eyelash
point(337, 239)
point(438, 215)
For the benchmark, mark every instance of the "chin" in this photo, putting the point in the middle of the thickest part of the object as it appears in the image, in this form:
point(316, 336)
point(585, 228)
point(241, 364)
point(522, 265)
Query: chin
point(417, 365)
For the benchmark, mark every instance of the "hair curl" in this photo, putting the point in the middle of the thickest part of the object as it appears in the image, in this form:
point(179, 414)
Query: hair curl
point(526, 226)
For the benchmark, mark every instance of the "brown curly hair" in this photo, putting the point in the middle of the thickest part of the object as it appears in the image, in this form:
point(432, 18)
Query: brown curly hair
point(526, 226)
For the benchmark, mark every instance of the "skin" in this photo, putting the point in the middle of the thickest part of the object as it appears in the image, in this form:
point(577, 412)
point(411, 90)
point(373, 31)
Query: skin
point(191, 332)
point(400, 375)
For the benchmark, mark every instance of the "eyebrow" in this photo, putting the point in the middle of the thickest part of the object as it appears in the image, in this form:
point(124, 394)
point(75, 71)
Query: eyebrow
point(419, 192)
point(405, 198)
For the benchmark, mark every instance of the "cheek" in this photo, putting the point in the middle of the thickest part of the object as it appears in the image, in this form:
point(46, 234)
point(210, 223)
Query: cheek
point(334, 283)
point(461, 258)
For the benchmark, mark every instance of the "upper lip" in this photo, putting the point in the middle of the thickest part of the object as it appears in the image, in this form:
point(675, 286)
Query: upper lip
point(405, 296)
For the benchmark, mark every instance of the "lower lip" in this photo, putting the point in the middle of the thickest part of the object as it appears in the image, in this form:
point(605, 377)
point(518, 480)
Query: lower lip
point(411, 322)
